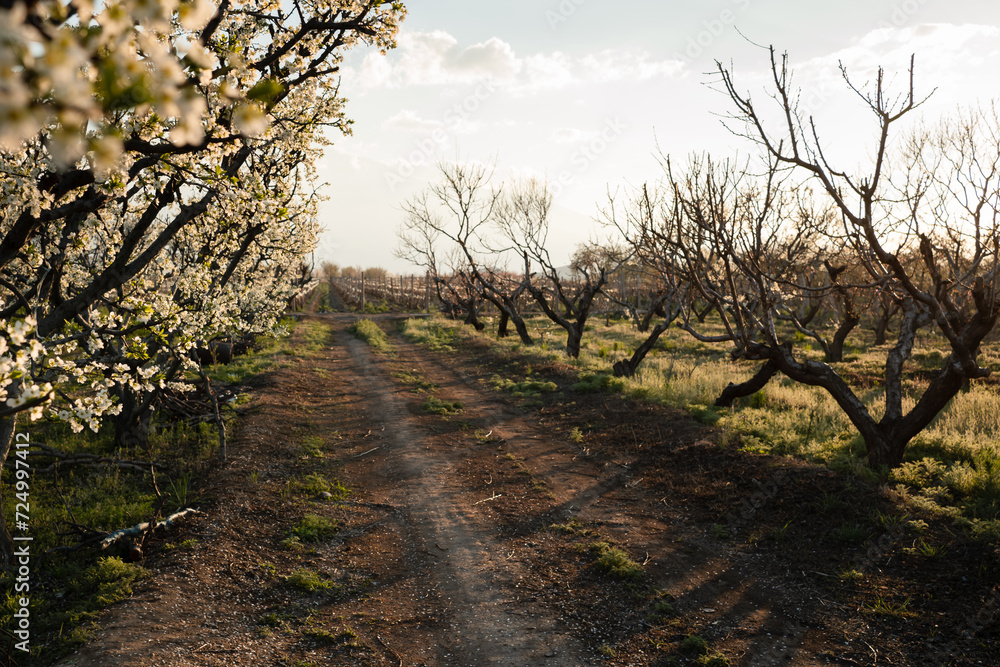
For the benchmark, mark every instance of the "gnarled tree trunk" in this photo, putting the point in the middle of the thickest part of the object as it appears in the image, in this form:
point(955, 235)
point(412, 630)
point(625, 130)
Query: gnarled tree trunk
point(748, 388)
point(627, 367)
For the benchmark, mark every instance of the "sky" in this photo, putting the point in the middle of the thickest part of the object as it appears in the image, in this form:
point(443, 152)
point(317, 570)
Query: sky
point(587, 94)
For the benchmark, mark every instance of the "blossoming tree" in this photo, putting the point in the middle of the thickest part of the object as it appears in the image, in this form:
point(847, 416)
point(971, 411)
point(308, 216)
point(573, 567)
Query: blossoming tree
point(155, 164)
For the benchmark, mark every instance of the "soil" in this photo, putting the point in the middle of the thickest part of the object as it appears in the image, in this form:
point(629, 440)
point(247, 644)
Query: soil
point(468, 538)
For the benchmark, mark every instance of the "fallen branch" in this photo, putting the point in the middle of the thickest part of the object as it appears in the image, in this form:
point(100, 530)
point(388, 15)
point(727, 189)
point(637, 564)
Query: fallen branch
point(62, 460)
point(142, 527)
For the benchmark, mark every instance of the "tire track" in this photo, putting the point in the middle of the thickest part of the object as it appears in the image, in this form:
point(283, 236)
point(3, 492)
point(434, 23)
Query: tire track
point(485, 628)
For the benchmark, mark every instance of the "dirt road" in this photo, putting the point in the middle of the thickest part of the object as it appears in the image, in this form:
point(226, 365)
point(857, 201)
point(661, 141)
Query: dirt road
point(473, 536)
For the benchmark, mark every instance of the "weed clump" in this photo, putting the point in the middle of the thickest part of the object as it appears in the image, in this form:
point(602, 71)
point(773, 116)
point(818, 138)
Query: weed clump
point(433, 335)
point(592, 383)
point(307, 581)
point(314, 528)
point(615, 562)
point(694, 644)
point(524, 388)
point(436, 406)
point(315, 484)
point(662, 610)
point(370, 332)
point(327, 637)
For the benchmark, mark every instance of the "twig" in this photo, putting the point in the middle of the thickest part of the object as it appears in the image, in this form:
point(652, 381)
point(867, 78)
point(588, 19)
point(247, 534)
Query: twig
point(357, 456)
point(493, 497)
point(215, 410)
point(399, 660)
point(160, 499)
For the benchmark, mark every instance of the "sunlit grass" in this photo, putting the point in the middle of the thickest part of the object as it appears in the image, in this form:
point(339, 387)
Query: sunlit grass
point(370, 332)
point(788, 418)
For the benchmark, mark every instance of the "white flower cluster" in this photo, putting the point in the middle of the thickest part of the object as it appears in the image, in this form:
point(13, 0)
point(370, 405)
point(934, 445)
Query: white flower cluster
point(18, 351)
point(65, 65)
point(156, 158)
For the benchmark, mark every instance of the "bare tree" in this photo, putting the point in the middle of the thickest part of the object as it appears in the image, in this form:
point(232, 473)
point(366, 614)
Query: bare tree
point(648, 226)
point(523, 220)
point(460, 209)
point(936, 200)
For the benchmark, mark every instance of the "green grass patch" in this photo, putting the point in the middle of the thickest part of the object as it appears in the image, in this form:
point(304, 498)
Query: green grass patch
point(374, 307)
point(417, 383)
point(372, 334)
point(307, 581)
point(315, 336)
point(433, 334)
point(694, 644)
point(315, 484)
point(660, 611)
point(436, 406)
point(311, 446)
point(332, 638)
point(62, 617)
point(882, 606)
point(615, 562)
point(525, 388)
point(314, 528)
point(850, 533)
point(592, 383)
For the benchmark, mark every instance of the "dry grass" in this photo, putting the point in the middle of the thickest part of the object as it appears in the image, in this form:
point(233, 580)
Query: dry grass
point(792, 419)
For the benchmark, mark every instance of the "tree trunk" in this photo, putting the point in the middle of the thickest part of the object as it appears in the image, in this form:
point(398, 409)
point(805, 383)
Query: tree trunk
point(704, 313)
point(132, 423)
point(810, 315)
point(882, 324)
point(627, 367)
point(748, 388)
point(835, 351)
point(574, 334)
point(522, 330)
point(502, 325)
point(885, 450)
point(473, 318)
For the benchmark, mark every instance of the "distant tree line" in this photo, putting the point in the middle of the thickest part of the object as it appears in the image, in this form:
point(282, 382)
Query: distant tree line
point(766, 254)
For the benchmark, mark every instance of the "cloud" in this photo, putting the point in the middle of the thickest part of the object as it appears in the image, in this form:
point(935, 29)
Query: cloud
point(943, 53)
point(939, 49)
point(572, 135)
point(437, 59)
point(407, 120)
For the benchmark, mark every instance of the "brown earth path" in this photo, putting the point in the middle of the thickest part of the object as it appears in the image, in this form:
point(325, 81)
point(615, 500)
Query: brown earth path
point(202, 607)
point(465, 538)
